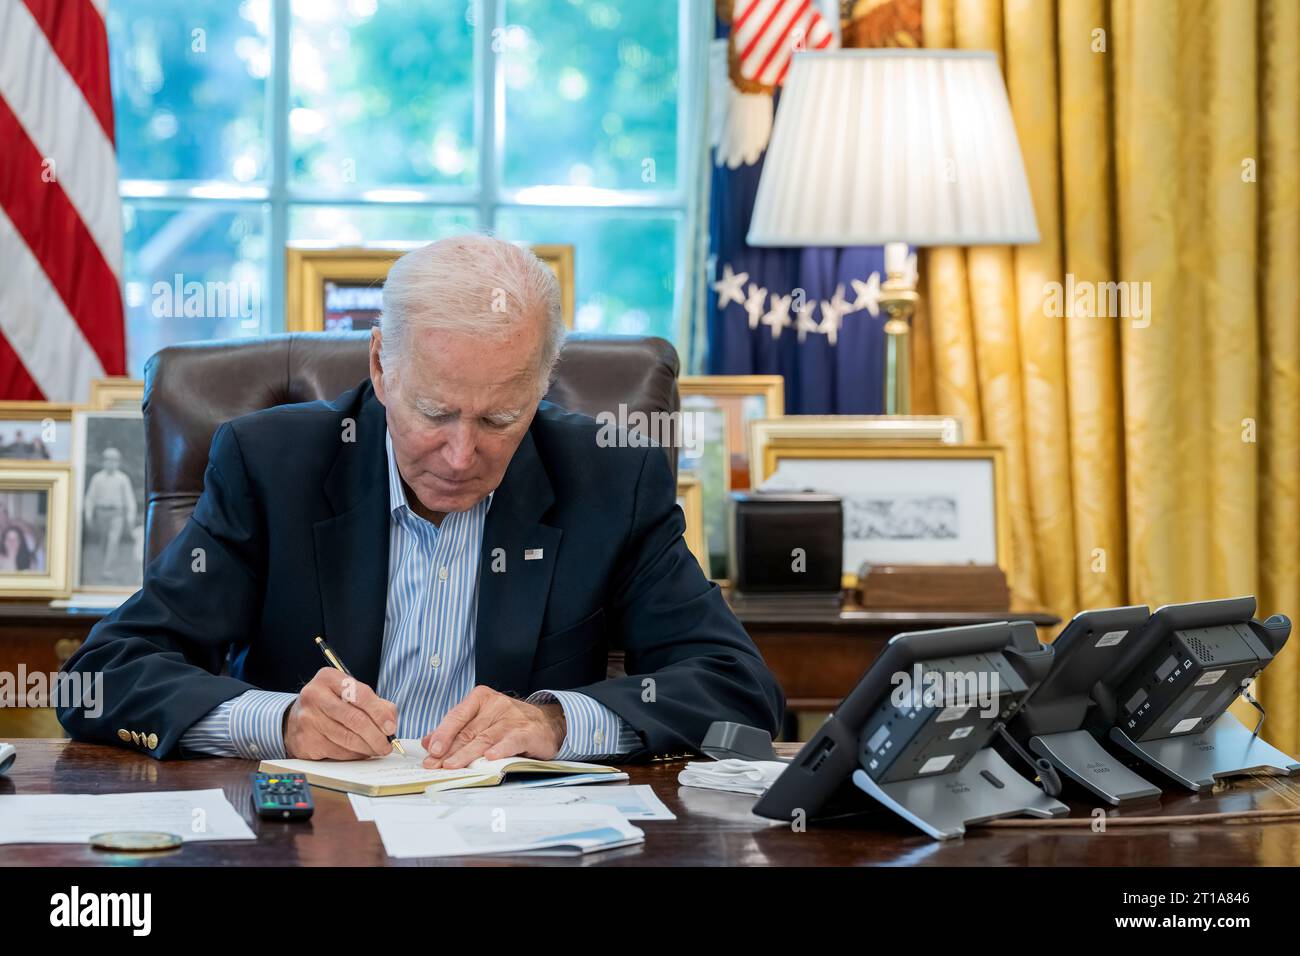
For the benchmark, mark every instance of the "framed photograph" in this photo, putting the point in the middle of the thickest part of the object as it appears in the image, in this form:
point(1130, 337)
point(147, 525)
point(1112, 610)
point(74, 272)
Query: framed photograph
point(118, 393)
point(34, 529)
point(36, 431)
point(744, 398)
point(703, 456)
point(849, 431)
point(906, 504)
point(108, 500)
point(340, 290)
point(690, 500)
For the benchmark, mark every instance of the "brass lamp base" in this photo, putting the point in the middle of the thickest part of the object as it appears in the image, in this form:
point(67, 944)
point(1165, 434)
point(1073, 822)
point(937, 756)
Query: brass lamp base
point(898, 299)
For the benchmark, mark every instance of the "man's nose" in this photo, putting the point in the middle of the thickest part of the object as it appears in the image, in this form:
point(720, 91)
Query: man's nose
point(460, 447)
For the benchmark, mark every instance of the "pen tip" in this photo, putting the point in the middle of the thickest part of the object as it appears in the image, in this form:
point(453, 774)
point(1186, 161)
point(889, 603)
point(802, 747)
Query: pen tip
point(397, 745)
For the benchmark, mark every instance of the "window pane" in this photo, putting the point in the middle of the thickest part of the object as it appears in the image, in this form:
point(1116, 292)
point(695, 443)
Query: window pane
point(596, 83)
point(623, 265)
point(193, 271)
point(189, 88)
point(382, 92)
point(371, 225)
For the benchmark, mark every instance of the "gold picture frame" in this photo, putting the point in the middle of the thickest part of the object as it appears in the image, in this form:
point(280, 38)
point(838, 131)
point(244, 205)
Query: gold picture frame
point(851, 430)
point(118, 393)
point(51, 418)
point(724, 464)
point(54, 579)
point(307, 269)
point(690, 498)
point(782, 449)
point(730, 391)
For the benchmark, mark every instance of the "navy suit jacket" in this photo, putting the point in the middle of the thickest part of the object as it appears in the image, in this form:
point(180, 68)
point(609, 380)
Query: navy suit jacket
point(290, 540)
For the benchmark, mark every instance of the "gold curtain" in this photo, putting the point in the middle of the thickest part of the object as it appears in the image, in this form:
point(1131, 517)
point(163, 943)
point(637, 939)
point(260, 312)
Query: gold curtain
point(1155, 456)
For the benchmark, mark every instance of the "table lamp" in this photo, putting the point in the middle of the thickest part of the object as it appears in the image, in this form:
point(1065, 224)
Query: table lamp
point(894, 148)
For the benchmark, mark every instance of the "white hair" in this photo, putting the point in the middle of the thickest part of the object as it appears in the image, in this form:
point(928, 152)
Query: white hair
point(474, 284)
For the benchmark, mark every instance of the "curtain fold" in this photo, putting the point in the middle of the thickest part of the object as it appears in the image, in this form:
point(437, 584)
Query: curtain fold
point(1278, 277)
point(1141, 364)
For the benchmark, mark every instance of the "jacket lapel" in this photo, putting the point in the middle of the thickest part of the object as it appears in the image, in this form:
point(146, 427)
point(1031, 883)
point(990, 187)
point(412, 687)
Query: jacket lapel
point(515, 568)
point(352, 546)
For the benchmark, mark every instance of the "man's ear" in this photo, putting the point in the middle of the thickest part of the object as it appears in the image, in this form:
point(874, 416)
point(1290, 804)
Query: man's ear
point(376, 364)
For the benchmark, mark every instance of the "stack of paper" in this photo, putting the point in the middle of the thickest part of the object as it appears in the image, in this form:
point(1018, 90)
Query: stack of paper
point(739, 776)
point(634, 803)
point(438, 830)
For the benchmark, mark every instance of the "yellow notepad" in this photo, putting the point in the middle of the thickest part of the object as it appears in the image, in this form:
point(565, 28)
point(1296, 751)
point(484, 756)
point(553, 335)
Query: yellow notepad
point(396, 773)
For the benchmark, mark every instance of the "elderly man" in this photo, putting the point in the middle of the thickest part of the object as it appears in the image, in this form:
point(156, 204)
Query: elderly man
point(109, 510)
point(469, 552)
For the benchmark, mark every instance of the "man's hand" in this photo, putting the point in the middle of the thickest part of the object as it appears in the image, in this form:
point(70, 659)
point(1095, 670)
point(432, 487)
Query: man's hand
point(337, 717)
point(492, 725)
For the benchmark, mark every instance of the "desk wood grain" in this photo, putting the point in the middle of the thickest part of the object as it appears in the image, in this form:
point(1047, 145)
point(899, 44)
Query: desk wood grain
point(712, 828)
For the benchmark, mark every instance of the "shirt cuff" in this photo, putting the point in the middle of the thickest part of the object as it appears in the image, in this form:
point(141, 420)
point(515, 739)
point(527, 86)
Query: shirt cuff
point(592, 729)
point(249, 726)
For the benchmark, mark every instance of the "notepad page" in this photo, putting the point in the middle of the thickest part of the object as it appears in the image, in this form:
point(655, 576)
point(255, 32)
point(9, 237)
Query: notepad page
point(394, 769)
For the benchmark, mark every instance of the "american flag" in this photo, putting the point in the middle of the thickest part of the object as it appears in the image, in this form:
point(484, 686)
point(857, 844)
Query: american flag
point(61, 320)
point(767, 32)
point(811, 315)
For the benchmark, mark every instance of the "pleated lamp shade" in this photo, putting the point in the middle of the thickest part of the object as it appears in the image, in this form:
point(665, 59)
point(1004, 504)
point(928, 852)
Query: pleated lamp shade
point(877, 146)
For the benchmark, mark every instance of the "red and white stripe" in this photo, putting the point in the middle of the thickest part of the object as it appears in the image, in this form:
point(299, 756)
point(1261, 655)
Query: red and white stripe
point(61, 319)
point(767, 32)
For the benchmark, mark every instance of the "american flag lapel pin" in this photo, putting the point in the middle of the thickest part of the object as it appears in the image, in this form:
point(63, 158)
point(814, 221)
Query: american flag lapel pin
point(532, 554)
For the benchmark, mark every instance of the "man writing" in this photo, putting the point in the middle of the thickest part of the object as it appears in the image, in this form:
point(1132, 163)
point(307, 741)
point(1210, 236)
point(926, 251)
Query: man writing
point(469, 551)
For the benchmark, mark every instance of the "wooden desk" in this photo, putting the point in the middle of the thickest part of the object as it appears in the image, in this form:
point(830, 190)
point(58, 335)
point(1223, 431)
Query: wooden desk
point(712, 828)
point(817, 656)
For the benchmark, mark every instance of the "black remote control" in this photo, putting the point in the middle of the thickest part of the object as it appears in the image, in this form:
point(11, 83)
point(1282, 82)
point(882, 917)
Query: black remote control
point(282, 796)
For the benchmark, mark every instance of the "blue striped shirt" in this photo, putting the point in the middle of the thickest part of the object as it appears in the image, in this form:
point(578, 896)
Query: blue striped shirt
point(426, 664)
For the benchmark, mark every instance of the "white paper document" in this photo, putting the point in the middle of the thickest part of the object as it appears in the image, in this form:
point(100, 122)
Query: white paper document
point(634, 803)
point(438, 830)
point(192, 815)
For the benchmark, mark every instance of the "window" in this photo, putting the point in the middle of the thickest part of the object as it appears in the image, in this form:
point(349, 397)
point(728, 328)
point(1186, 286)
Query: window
point(242, 126)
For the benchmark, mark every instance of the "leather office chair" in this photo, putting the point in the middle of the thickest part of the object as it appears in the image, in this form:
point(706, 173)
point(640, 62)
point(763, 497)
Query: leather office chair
point(191, 389)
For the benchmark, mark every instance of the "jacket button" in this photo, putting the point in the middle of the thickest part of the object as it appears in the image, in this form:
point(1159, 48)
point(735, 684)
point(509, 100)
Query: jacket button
point(124, 735)
point(137, 738)
point(152, 741)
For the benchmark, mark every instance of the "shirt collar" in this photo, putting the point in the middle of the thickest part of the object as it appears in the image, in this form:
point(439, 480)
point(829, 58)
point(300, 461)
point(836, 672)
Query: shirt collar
point(397, 503)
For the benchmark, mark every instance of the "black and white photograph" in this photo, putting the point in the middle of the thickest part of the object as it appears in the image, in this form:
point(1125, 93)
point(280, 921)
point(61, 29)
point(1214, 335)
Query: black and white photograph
point(109, 461)
point(902, 517)
point(938, 505)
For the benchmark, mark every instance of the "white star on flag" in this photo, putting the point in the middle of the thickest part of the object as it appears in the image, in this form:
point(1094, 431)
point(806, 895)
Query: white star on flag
point(754, 304)
point(804, 321)
point(833, 313)
point(867, 294)
point(778, 317)
point(729, 287)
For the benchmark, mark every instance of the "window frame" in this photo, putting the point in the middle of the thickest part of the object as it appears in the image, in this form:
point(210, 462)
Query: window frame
point(277, 196)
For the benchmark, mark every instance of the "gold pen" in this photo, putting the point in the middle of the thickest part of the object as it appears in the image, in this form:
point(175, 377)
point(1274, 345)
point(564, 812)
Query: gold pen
point(338, 666)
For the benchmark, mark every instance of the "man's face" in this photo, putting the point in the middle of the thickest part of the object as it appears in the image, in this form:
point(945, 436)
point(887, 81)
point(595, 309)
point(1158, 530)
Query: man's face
point(111, 461)
point(458, 406)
